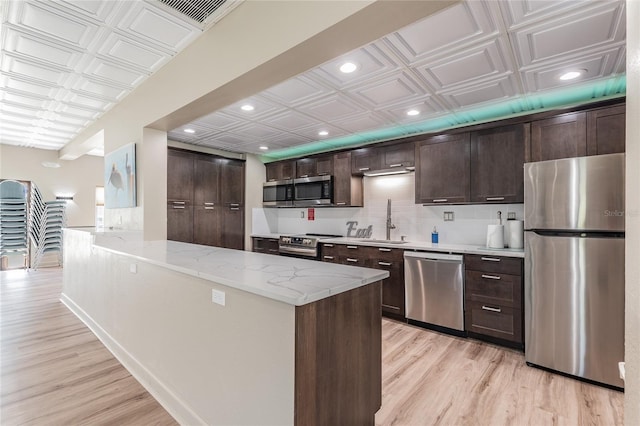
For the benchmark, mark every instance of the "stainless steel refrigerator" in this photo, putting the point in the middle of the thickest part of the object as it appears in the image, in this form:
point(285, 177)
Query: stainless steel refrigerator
point(574, 266)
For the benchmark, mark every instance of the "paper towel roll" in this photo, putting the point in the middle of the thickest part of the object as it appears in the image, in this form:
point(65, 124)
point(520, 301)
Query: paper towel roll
point(516, 234)
point(495, 236)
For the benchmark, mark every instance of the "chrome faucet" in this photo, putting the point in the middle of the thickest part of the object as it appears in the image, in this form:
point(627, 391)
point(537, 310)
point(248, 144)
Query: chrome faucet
point(390, 225)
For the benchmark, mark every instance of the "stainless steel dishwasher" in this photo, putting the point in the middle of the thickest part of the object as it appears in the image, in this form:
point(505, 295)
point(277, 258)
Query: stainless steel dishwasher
point(434, 289)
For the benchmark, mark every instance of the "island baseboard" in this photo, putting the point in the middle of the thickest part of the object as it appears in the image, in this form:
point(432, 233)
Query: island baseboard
point(178, 409)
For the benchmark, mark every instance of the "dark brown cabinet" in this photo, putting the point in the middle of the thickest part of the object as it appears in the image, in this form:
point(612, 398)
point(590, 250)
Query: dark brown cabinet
point(210, 207)
point(280, 170)
point(347, 188)
point(494, 299)
point(399, 155)
point(442, 169)
point(606, 130)
point(388, 259)
point(364, 159)
point(562, 136)
point(265, 245)
point(314, 166)
point(497, 161)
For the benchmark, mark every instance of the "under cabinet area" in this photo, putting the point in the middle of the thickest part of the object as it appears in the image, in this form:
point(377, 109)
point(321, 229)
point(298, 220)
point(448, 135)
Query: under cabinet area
point(494, 306)
point(205, 199)
point(388, 259)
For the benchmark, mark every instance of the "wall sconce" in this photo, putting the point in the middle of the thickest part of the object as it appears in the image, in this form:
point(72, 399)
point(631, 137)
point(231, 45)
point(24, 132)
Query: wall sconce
point(64, 197)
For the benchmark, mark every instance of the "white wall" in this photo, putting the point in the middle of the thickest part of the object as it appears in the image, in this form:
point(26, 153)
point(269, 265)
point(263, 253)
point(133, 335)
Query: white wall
point(79, 177)
point(632, 242)
point(413, 220)
point(255, 175)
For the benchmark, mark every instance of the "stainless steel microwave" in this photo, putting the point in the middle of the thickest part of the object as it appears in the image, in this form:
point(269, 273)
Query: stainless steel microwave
point(278, 193)
point(313, 191)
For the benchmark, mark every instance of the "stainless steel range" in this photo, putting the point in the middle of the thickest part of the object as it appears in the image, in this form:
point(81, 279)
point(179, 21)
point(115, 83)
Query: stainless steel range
point(305, 246)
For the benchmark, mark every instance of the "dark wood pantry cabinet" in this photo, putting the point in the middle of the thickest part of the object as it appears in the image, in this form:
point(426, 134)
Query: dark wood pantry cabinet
point(205, 199)
point(347, 188)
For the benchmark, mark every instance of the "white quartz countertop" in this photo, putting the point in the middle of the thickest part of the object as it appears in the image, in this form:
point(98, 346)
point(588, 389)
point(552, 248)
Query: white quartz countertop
point(289, 280)
point(423, 246)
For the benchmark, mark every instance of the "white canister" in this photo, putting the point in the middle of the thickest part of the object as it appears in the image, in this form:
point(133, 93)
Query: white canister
point(495, 236)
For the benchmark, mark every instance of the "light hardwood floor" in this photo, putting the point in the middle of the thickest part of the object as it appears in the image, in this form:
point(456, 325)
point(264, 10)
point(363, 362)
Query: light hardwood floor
point(53, 371)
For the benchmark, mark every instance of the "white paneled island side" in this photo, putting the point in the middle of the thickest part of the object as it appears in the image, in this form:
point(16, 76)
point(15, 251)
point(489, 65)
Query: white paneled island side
point(222, 336)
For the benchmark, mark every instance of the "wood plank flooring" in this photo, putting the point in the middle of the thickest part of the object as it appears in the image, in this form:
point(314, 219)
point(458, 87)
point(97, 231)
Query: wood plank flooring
point(54, 371)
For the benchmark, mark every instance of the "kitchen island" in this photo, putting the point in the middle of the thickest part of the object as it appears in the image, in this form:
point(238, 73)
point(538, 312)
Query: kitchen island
point(223, 336)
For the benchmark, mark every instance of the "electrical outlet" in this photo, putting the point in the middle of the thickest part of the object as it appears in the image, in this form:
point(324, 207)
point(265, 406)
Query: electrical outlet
point(511, 215)
point(218, 297)
point(448, 216)
point(301, 215)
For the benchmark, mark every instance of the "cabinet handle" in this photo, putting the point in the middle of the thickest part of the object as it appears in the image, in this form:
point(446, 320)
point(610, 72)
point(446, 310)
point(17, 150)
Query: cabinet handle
point(364, 169)
point(209, 204)
point(328, 257)
point(440, 200)
point(341, 203)
point(178, 207)
point(384, 249)
point(234, 205)
point(395, 165)
point(328, 245)
point(488, 308)
point(490, 259)
point(179, 202)
point(323, 174)
point(495, 198)
point(304, 176)
point(491, 277)
point(209, 208)
point(274, 250)
point(272, 180)
point(384, 264)
point(352, 260)
point(286, 177)
point(352, 247)
point(234, 208)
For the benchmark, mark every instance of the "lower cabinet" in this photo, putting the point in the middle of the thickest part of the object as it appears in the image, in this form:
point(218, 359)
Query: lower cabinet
point(389, 259)
point(265, 245)
point(493, 299)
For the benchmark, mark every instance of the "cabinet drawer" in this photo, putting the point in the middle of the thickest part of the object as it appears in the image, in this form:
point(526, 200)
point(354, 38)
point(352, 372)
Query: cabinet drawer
point(330, 253)
point(493, 264)
point(494, 320)
point(492, 288)
point(387, 254)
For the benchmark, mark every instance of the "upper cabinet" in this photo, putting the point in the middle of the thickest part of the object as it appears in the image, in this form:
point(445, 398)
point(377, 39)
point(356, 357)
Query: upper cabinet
point(347, 188)
point(606, 130)
point(314, 166)
point(497, 160)
point(594, 132)
point(280, 170)
point(364, 160)
point(442, 169)
point(558, 137)
point(399, 155)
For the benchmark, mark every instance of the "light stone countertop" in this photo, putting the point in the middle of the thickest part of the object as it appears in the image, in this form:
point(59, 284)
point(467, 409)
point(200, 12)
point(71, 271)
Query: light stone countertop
point(418, 245)
point(289, 280)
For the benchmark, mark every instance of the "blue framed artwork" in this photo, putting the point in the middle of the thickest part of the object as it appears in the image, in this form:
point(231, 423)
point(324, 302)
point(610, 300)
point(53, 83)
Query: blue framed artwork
point(120, 177)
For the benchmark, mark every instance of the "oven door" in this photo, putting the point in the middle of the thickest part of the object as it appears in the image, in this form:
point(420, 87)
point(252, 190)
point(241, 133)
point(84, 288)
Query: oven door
point(277, 193)
point(313, 191)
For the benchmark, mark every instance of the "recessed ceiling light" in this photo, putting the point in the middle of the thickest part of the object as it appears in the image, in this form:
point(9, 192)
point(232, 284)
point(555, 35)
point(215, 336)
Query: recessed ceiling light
point(413, 112)
point(189, 131)
point(264, 148)
point(247, 107)
point(323, 133)
point(348, 67)
point(571, 75)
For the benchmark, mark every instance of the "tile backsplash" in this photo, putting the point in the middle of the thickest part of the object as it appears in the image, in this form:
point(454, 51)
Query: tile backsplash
point(414, 221)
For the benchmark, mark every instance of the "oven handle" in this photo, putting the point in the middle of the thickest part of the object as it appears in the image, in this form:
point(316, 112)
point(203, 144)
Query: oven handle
point(301, 251)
